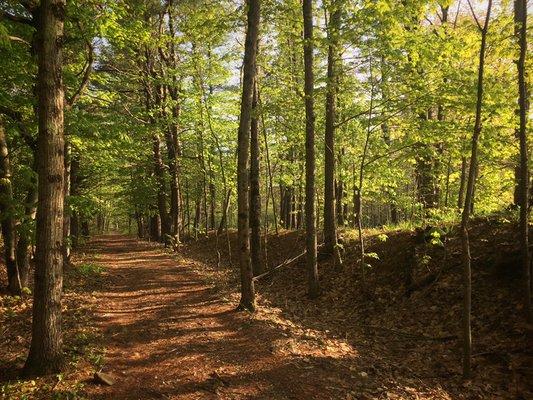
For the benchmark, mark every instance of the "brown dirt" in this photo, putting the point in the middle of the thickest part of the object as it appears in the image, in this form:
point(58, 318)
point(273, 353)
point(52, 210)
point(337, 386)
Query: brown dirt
point(168, 328)
point(169, 335)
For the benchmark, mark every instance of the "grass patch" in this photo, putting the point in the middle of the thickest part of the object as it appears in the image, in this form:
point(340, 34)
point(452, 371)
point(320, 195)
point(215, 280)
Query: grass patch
point(89, 269)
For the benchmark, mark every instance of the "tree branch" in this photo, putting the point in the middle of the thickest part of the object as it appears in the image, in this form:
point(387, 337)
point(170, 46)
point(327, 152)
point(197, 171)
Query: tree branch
point(389, 153)
point(86, 75)
point(18, 39)
point(17, 18)
point(474, 15)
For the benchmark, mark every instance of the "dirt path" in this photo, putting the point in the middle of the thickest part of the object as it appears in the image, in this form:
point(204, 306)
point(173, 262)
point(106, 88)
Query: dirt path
point(168, 335)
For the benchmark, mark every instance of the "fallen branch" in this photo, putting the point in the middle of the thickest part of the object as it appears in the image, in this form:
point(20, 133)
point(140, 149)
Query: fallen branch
point(416, 336)
point(285, 263)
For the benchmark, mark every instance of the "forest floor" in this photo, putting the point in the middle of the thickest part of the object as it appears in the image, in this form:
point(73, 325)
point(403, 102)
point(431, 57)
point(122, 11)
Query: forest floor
point(163, 324)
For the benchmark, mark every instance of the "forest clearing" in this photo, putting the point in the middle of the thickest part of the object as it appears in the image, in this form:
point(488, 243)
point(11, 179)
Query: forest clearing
point(265, 199)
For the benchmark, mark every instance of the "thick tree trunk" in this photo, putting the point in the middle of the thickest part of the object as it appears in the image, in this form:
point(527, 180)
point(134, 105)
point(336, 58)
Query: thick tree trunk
point(313, 286)
point(523, 197)
point(465, 243)
point(7, 217)
point(46, 349)
point(243, 180)
point(330, 226)
point(255, 196)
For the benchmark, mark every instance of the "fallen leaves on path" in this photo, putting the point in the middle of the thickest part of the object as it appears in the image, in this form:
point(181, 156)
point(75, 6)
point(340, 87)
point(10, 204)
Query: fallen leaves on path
point(163, 326)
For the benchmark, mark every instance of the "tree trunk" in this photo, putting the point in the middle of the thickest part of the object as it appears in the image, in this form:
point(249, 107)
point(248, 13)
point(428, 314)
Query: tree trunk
point(155, 228)
point(24, 242)
point(465, 244)
point(255, 196)
point(74, 191)
point(224, 218)
point(447, 184)
point(330, 228)
point(250, 50)
point(67, 214)
point(85, 230)
point(197, 215)
point(159, 171)
point(521, 34)
point(46, 349)
point(172, 143)
point(269, 168)
point(462, 184)
point(7, 216)
point(188, 208)
point(313, 285)
point(339, 202)
point(24, 232)
point(172, 139)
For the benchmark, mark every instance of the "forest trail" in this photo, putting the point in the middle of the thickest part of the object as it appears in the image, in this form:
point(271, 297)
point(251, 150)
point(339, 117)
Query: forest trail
point(169, 335)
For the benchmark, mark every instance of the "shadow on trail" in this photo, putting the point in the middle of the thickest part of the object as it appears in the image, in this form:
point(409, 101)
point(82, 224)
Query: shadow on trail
point(168, 335)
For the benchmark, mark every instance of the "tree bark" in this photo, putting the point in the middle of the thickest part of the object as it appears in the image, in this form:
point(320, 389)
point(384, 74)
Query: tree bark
point(159, 171)
point(255, 195)
point(67, 245)
point(24, 241)
point(46, 349)
point(175, 206)
point(462, 184)
point(330, 226)
point(313, 285)
point(74, 191)
point(465, 243)
point(7, 216)
point(250, 51)
point(269, 168)
point(521, 34)
point(172, 136)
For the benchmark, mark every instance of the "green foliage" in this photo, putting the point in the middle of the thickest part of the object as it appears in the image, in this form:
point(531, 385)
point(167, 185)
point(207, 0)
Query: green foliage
point(89, 269)
point(407, 89)
point(383, 237)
